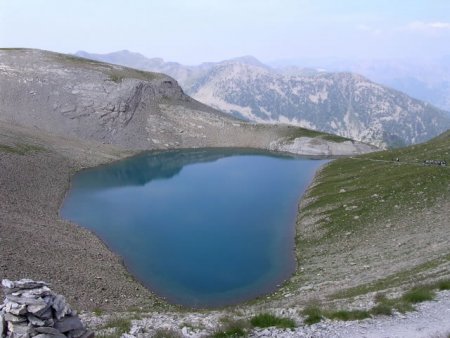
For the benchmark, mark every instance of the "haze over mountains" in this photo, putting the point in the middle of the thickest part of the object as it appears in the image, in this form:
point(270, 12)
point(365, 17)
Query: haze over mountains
point(343, 103)
point(424, 79)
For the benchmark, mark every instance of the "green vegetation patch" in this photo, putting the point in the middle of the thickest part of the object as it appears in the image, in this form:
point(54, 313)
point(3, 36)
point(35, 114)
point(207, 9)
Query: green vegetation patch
point(118, 74)
point(313, 314)
point(269, 320)
point(20, 149)
point(114, 73)
point(346, 315)
point(353, 192)
point(335, 138)
point(120, 326)
point(443, 284)
point(382, 309)
point(166, 333)
point(296, 132)
point(384, 306)
point(393, 280)
point(98, 311)
point(232, 328)
point(418, 295)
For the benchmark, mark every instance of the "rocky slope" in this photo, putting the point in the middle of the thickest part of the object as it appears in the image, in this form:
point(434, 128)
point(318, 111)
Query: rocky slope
point(341, 103)
point(129, 108)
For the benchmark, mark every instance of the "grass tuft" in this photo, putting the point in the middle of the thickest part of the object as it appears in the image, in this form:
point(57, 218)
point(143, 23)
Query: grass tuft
point(97, 311)
point(20, 149)
point(382, 309)
point(269, 320)
point(232, 328)
point(348, 315)
point(115, 77)
point(166, 333)
point(121, 325)
point(313, 314)
point(443, 285)
point(418, 295)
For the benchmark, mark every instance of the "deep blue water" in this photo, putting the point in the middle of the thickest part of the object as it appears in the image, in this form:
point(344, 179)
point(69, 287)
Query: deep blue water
point(202, 228)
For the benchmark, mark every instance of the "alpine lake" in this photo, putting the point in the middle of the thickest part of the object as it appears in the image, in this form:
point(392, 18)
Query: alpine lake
point(203, 228)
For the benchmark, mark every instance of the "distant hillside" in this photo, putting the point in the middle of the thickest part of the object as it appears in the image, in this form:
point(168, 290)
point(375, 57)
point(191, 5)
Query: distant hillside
point(341, 103)
point(130, 108)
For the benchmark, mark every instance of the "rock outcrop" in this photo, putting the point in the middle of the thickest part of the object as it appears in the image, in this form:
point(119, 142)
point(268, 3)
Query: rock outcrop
point(320, 147)
point(31, 309)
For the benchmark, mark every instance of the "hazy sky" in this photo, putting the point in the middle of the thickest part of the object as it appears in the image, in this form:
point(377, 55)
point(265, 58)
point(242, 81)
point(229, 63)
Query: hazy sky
point(192, 31)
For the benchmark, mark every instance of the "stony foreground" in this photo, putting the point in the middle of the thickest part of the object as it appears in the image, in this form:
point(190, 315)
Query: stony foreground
point(431, 320)
point(31, 309)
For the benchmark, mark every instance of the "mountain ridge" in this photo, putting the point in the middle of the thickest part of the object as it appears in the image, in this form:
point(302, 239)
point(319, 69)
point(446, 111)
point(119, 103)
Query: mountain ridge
point(129, 108)
point(243, 88)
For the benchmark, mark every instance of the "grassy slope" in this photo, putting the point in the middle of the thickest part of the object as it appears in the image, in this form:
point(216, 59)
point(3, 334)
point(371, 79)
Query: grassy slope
point(294, 132)
point(372, 191)
point(379, 186)
point(115, 73)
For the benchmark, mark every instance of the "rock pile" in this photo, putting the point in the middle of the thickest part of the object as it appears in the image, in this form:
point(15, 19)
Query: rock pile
point(31, 309)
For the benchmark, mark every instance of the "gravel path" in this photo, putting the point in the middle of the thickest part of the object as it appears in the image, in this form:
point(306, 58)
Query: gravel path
point(432, 319)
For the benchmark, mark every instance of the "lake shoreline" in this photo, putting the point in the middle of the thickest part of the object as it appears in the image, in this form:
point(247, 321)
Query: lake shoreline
point(110, 173)
point(37, 244)
point(85, 270)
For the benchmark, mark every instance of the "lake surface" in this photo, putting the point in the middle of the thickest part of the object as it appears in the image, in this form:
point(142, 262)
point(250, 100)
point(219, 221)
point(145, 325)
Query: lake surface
point(202, 228)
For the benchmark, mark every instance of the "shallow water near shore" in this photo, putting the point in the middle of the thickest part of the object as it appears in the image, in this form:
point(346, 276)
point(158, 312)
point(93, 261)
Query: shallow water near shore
point(203, 228)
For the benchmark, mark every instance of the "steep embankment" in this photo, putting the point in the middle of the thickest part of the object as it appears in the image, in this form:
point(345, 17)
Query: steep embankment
point(131, 109)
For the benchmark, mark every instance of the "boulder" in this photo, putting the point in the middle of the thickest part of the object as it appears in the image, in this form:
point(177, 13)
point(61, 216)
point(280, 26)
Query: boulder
point(31, 309)
point(47, 330)
point(68, 324)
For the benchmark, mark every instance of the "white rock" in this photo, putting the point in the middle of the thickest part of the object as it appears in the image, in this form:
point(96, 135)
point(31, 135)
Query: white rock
point(7, 283)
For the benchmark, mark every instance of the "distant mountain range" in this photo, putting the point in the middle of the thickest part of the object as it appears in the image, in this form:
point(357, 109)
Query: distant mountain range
point(341, 103)
point(424, 79)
